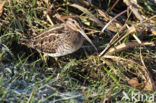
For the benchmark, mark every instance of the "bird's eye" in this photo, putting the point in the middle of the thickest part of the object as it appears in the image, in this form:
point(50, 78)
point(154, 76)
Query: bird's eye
point(73, 22)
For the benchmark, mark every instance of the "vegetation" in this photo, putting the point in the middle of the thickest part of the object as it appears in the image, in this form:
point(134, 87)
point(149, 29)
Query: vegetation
point(120, 75)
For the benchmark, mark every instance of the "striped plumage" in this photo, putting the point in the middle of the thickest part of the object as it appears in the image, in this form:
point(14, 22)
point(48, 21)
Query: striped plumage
point(59, 41)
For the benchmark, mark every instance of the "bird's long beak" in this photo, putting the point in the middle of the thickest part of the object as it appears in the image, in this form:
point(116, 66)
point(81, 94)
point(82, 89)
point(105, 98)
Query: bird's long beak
point(86, 37)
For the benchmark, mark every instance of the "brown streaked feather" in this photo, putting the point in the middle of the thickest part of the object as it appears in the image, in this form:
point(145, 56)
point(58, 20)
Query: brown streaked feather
point(58, 30)
point(50, 40)
point(61, 40)
point(53, 42)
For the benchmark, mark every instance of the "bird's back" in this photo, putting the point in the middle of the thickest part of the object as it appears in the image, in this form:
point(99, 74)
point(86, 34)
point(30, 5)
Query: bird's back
point(55, 42)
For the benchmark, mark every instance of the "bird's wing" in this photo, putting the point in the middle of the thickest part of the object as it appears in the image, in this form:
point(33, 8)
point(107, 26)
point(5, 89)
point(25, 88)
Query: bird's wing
point(50, 40)
point(57, 30)
point(47, 44)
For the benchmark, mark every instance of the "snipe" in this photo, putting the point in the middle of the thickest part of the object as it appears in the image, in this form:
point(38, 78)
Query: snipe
point(59, 41)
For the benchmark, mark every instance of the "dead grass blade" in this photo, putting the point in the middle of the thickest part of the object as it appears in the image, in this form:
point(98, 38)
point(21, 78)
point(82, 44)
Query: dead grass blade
point(153, 30)
point(149, 84)
point(2, 3)
point(113, 20)
point(133, 34)
point(114, 5)
point(133, 6)
point(106, 18)
point(125, 46)
point(47, 12)
point(83, 2)
point(47, 3)
point(113, 41)
point(88, 13)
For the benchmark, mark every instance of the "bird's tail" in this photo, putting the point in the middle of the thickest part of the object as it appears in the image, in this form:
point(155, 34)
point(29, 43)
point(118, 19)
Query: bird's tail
point(25, 41)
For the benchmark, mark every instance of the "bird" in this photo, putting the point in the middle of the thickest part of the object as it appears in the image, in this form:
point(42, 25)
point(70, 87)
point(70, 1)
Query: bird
point(61, 40)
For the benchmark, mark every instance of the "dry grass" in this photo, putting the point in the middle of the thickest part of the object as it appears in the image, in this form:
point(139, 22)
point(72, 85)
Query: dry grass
point(82, 76)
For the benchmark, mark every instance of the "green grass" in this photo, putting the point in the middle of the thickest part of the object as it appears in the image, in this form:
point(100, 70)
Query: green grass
point(80, 77)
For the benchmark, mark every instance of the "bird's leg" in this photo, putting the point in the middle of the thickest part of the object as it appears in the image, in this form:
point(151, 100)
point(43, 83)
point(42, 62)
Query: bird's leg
point(44, 57)
point(56, 59)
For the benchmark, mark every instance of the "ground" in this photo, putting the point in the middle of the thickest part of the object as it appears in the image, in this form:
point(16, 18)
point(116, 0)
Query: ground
point(120, 75)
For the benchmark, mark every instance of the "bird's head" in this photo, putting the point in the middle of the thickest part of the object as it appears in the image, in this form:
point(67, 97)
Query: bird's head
point(75, 24)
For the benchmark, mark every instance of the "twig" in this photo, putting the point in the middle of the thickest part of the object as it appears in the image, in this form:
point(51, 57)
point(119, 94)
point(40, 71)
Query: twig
point(149, 80)
point(127, 45)
point(113, 20)
point(113, 41)
point(114, 5)
point(133, 6)
point(135, 37)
